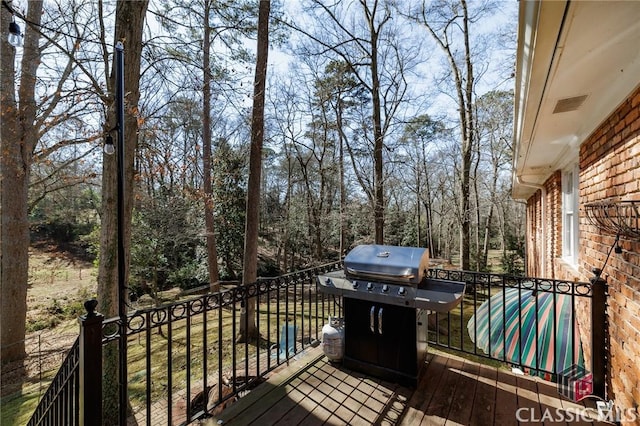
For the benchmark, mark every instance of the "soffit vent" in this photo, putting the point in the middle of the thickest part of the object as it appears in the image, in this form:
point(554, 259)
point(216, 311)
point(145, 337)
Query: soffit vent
point(569, 104)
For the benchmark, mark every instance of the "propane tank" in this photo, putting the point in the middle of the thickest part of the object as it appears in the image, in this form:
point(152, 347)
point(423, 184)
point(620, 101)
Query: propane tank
point(333, 339)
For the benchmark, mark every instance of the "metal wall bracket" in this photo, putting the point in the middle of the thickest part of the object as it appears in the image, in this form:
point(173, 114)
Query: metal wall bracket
point(617, 217)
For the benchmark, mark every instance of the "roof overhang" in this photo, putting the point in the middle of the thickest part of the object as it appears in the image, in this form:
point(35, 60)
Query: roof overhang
point(576, 62)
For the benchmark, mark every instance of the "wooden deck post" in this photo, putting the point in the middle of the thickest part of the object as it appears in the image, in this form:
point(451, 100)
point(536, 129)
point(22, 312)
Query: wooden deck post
point(90, 388)
point(599, 332)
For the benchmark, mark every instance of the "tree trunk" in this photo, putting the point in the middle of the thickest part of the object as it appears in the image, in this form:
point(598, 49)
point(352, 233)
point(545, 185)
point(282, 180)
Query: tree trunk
point(212, 252)
point(343, 190)
point(378, 141)
point(485, 244)
point(479, 256)
point(465, 206)
point(19, 136)
point(433, 251)
point(429, 213)
point(418, 208)
point(129, 25)
point(469, 139)
point(248, 330)
point(286, 244)
point(487, 228)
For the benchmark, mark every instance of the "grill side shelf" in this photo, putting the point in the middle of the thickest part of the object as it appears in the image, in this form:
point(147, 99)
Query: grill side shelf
point(439, 295)
point(334, 283)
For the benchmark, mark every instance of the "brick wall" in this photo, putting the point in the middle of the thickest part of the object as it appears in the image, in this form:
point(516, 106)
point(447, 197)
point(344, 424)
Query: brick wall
point(609, 168)
point(544, 240)
point(534, 237)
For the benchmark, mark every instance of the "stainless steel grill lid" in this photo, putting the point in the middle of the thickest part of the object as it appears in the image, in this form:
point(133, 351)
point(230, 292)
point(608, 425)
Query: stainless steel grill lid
point(387, 263)
point(392, 275)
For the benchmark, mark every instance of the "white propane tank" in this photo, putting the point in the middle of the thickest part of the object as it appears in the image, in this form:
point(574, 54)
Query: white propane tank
point(333, 339)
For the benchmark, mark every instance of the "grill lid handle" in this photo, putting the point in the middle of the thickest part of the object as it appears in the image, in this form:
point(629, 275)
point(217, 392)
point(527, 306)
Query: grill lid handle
point(354, 271)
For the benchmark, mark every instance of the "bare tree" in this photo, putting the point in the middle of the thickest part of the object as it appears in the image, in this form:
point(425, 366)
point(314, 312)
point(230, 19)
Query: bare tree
point(19, 135)
point(419, 138)
point(286, 109)
point(58, 123)
point(248, 329)
point(494, 132)
point(342, 92)
point(448, 22)
point(313, 117)
point(369, 44)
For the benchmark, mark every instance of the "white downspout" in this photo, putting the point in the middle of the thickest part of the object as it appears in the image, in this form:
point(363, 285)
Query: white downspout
point(543, 206)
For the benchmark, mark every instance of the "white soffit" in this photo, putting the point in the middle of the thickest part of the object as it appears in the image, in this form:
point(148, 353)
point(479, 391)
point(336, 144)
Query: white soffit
point(576, 62)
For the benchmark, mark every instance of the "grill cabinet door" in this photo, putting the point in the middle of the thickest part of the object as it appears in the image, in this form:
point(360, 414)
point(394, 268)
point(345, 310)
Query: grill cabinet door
point(380, 334)
point(397, 341)
point(361, 343)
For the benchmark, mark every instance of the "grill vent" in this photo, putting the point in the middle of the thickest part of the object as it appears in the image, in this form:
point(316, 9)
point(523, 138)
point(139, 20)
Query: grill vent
point(569, 104)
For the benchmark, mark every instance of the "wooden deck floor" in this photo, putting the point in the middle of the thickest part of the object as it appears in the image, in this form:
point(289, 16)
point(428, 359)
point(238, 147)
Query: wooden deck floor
point(452, 391)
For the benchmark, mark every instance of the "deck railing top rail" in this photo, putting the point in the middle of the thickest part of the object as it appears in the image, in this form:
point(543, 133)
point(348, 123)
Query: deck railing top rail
point(139, 320)
point(474, 279)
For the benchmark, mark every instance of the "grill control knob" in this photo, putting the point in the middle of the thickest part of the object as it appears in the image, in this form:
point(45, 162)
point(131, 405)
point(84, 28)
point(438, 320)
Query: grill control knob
point(385, 288)
point(356, 284)
point(402, 291)
point(369, 286)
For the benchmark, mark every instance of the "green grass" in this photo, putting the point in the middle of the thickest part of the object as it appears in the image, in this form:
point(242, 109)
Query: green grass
point(56, 312)
point(18, 407)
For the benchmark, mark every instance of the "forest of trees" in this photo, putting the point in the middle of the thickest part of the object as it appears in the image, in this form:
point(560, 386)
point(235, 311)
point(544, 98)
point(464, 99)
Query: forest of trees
point(383, 121)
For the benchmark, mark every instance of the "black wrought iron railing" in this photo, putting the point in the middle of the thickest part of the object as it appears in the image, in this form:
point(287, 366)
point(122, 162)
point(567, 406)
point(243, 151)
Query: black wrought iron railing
point(185, 358)
point(59, 404)
point(529, 323)
point(185, 361)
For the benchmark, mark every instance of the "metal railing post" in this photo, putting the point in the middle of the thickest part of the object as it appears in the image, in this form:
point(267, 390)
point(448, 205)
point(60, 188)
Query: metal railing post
point(599, 333)
point(90, 365)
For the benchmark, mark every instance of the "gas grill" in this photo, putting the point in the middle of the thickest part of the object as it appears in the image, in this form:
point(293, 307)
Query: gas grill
point(386, 299)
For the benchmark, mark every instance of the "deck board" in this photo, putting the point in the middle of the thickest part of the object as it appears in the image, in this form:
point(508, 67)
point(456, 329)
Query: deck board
point(429, 382)
point(527, 397)
point(506, 398)
point(484, 403)
point(441, 402)
point(462, 403)
point(451, 391)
